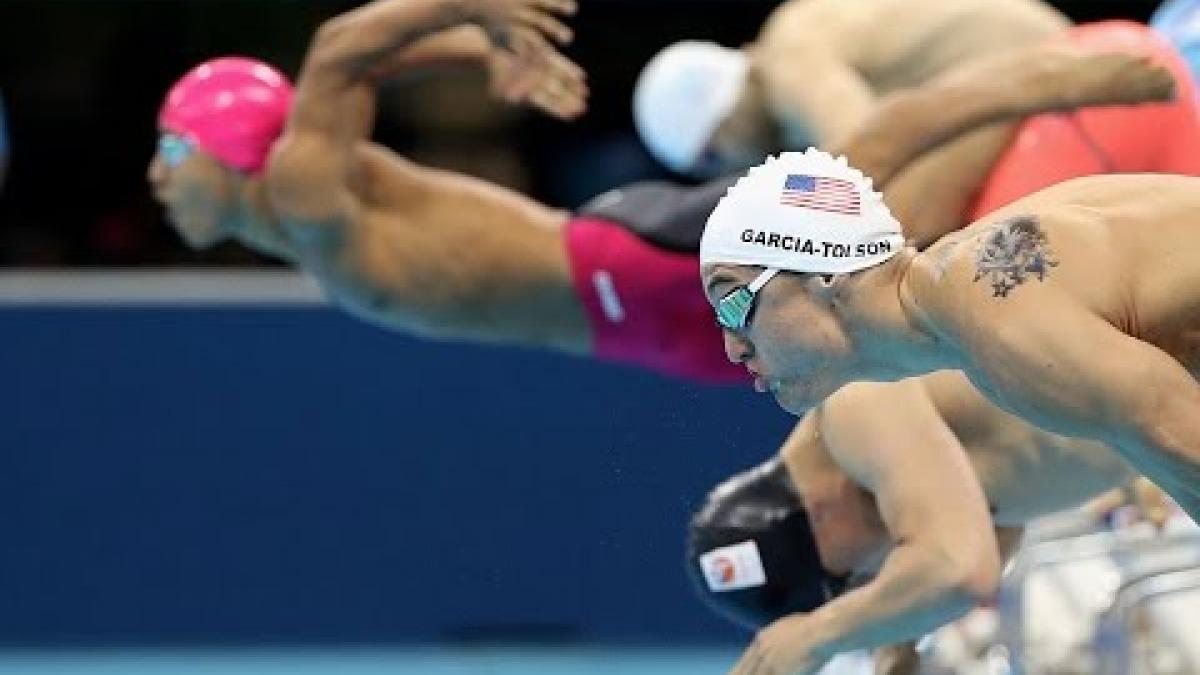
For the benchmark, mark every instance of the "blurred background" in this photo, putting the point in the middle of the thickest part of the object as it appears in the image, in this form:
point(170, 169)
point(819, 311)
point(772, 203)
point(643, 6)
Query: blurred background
point(190, 462)
point(82, 81)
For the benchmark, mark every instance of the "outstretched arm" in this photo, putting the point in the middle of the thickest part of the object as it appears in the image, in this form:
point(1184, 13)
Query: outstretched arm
point(944, 559)
point(313, 170)
point(1007, 86)
point(546, 80)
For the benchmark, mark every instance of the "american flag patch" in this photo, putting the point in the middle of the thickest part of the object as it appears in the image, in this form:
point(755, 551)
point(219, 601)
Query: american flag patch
point(821, 194)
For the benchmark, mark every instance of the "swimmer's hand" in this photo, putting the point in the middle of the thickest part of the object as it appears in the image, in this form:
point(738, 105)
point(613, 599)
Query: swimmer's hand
point(1149, 504)
point(1111, 78)
point(785, 647)
point(901, 659)
point(523, 27)
point(548, 81)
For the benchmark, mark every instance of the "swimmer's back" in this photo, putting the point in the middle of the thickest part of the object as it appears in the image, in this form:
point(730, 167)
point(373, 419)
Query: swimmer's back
point(902, 43)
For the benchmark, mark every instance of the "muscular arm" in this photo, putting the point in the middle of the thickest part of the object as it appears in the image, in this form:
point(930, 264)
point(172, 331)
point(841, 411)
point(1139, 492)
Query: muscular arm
point(462, 44)
point(933, 195)
point(1033, 347)
point(945, 558)
point(993, 89)
point(313, 167)
point(903, 659)
point(313, 172)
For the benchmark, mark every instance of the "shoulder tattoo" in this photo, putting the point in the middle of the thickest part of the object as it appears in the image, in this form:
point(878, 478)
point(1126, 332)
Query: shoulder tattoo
point(1011, 252)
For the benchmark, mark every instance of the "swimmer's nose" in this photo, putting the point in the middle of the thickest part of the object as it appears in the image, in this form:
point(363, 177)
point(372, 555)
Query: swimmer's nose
point(737, 349)
point(156, 173)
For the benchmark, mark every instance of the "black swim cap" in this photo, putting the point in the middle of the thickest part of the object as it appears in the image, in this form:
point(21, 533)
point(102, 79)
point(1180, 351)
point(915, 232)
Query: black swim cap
point(751, 551)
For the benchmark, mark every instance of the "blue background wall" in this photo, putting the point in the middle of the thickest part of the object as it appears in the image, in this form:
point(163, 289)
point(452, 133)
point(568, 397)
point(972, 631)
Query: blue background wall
point(232, 475)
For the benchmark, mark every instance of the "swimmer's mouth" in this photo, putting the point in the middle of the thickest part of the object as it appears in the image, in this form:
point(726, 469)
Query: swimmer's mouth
point(169, 213)
point(762, 384)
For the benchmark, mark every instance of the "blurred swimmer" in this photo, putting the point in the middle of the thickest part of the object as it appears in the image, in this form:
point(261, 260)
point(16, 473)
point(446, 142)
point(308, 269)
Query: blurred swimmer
point(448, 256)
point(814, 73)
point(886, 514)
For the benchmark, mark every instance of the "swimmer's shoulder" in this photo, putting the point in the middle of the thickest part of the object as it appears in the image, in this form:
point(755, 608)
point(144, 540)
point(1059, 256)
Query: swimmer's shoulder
point(861, 416)
point(966, 270)
point(804, 452)
point(967, 412)
point(814, 25)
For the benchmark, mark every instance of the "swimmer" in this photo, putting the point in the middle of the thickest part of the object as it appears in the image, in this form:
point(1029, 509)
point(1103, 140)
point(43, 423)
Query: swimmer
point(1073, 308)
point(443, 255)
point(814, 73)
point(887, 514)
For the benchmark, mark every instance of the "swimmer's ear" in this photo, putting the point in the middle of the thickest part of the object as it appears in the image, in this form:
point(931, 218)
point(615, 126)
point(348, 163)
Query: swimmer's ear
point(822, 287)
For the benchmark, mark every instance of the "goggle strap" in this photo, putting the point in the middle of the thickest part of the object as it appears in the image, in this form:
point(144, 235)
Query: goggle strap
point(762, 279)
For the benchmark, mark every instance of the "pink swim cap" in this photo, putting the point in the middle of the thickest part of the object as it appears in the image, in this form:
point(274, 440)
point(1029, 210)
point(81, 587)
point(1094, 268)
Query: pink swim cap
point(233, 108)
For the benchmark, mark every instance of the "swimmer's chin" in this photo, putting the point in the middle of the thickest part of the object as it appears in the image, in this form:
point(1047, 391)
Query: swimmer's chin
point(796, 403)
point(792, 404)
point(194, 238)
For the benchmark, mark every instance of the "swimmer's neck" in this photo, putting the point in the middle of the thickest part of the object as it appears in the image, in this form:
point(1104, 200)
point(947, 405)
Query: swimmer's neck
point(250, 221)
point(891, 338)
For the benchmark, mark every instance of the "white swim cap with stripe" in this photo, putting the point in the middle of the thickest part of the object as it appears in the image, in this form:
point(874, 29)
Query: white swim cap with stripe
point(802, 212)
point(683, 95)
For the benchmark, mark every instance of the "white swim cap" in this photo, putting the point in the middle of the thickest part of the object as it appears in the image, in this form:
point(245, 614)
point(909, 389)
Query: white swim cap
point(683, 95)
point(802, 212)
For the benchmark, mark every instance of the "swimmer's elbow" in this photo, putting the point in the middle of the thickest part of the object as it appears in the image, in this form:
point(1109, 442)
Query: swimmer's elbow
point(344, 42)
point(972, 576)
point(980, 584)
point(331, 38)
point(1164, 416)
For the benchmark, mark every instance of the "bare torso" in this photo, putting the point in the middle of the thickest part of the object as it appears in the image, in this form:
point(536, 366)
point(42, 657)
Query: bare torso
point(898, 44)
point(449, 256)
point(1025, 472)
point(927, 38)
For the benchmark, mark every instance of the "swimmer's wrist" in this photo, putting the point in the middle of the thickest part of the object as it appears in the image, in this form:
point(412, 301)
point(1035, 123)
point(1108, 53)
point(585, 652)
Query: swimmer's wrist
point(473, 11)
point(820, 636)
